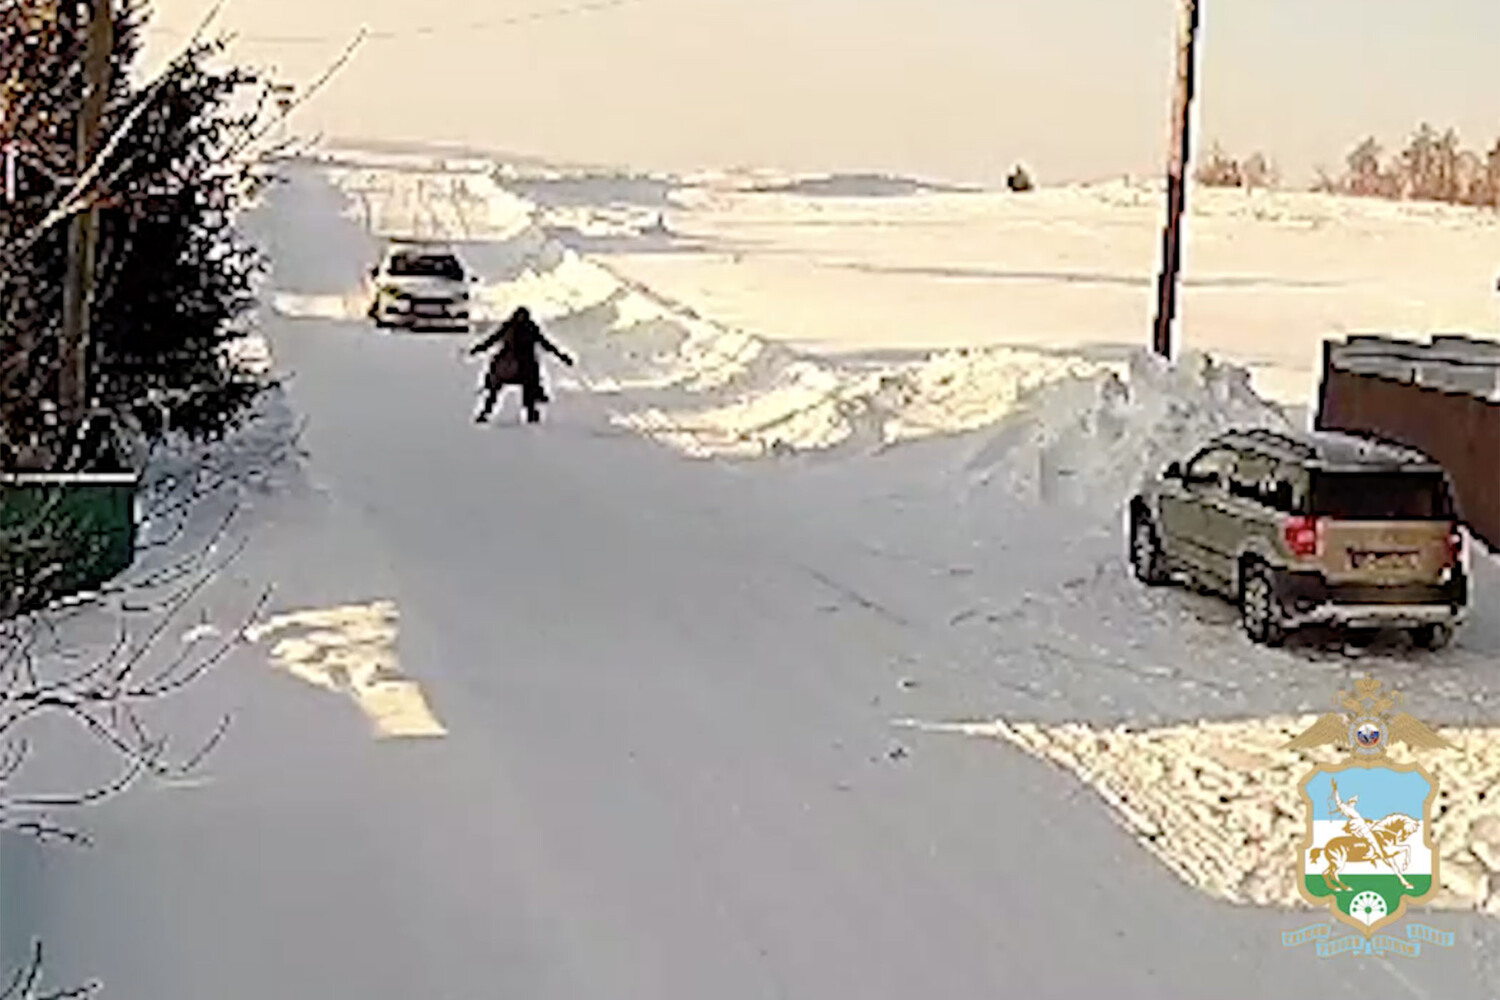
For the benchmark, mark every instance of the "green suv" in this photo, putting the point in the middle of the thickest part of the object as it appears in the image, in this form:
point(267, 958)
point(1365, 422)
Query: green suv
point(1309, 528)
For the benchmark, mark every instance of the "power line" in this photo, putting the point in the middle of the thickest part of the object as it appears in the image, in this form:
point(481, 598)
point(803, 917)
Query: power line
point(428, 30)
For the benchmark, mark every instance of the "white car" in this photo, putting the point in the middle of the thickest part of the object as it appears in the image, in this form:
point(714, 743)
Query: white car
point(420, 286)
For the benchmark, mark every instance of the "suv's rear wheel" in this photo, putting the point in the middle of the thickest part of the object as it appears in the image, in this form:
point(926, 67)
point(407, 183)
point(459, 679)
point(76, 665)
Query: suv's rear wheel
point(1146, 559)
point(1432, 636)
point(1260, 609)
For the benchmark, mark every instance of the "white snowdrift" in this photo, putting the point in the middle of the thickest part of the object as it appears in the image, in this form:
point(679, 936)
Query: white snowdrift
point(811, 404)
point(1050, 428)
point(1087, 441)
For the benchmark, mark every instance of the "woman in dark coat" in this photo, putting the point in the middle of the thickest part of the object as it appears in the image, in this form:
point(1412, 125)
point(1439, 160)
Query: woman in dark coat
point(517, 363)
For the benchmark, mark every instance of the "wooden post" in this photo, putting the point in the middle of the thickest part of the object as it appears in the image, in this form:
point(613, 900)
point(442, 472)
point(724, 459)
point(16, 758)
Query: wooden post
point(83, 231)
point(1177, 168)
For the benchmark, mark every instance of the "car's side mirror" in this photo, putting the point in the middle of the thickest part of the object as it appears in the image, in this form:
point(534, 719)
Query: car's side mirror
point(1173, 471)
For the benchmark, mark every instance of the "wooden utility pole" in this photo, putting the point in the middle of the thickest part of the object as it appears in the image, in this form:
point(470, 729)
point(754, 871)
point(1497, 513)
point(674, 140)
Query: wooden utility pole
point(83, 231)
point(1177, 168)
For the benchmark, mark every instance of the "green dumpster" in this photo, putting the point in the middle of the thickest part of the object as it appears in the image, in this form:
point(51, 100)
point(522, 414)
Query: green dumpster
point(62, 534)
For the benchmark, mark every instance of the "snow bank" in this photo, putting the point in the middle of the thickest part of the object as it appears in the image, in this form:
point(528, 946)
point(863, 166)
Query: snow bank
point(1087, 441)
point(807, 404)
point(1048, 427)
point(1218, 802)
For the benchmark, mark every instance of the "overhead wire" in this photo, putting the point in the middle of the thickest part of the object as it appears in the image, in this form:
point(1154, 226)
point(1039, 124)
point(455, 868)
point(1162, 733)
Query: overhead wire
point(428, 30)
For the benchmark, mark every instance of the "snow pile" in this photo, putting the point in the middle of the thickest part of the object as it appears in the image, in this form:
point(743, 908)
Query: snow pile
point(1054, 427)
point(806, 404)
point(556, 283)
point(969, 389)
point(788, 411)
point(1218, 802)
point(1087, 441)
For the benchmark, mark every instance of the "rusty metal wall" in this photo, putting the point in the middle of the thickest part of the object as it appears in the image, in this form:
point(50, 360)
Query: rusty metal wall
point(1459, 430)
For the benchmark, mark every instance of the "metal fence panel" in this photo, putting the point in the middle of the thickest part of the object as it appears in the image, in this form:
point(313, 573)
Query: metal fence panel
point(63, 534)
point(1458, 429)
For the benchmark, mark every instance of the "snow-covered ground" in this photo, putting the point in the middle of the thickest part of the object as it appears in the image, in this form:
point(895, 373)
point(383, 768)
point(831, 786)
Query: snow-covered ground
point(695, 727)
point(1015, 417)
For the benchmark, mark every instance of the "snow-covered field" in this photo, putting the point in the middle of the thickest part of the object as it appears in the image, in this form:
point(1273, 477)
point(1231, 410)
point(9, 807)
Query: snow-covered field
point(1266, 275)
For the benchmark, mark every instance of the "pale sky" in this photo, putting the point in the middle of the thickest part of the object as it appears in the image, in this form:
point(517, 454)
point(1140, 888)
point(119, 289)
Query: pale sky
point(955, 89)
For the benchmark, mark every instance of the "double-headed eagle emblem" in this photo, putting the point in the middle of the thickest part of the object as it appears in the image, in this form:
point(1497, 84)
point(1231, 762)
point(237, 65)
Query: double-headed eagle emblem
point(1368, 725)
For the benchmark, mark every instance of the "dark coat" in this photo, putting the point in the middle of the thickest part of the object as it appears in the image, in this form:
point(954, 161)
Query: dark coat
point(516, 362)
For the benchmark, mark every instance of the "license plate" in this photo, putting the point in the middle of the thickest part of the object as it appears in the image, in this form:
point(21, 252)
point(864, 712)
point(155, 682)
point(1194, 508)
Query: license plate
point(1382, 560)
point(429, 310)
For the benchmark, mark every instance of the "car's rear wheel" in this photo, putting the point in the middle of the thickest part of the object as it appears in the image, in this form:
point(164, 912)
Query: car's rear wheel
point(1260, 609)
point(1434, 636)
point(1146, 559)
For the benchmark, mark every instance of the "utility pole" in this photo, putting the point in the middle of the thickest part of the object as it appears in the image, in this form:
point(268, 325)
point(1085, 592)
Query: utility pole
point(83, 231)
point(1177, 167)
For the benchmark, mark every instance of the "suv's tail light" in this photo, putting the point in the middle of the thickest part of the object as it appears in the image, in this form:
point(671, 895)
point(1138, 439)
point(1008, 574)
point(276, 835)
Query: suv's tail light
point(1455, 546)
point(1304, 535)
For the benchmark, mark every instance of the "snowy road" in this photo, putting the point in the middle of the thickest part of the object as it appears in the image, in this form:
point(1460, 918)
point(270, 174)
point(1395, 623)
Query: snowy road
point(668, 767)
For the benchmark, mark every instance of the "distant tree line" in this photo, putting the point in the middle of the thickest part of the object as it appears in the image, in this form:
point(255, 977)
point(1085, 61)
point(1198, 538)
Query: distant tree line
point(1433, 166)
point(1218, 169)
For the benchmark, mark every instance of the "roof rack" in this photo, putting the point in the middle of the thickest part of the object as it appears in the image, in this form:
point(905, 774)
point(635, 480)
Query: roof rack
point(1332, 448)
point(1266, 436)
point(425, 242)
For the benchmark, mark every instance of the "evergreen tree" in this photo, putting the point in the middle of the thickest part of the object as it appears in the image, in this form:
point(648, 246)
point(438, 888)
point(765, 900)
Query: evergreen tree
point(173, 282)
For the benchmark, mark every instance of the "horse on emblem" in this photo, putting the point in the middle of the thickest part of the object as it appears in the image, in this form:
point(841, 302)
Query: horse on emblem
point(1392, 837)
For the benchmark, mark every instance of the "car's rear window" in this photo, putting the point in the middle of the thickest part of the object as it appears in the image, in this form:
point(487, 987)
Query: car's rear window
point(426, 265)
point(1381, 496)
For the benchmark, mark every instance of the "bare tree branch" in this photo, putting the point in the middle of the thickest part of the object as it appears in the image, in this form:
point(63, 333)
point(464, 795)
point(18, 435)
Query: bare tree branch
point(26, 983)
point(77, 197)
